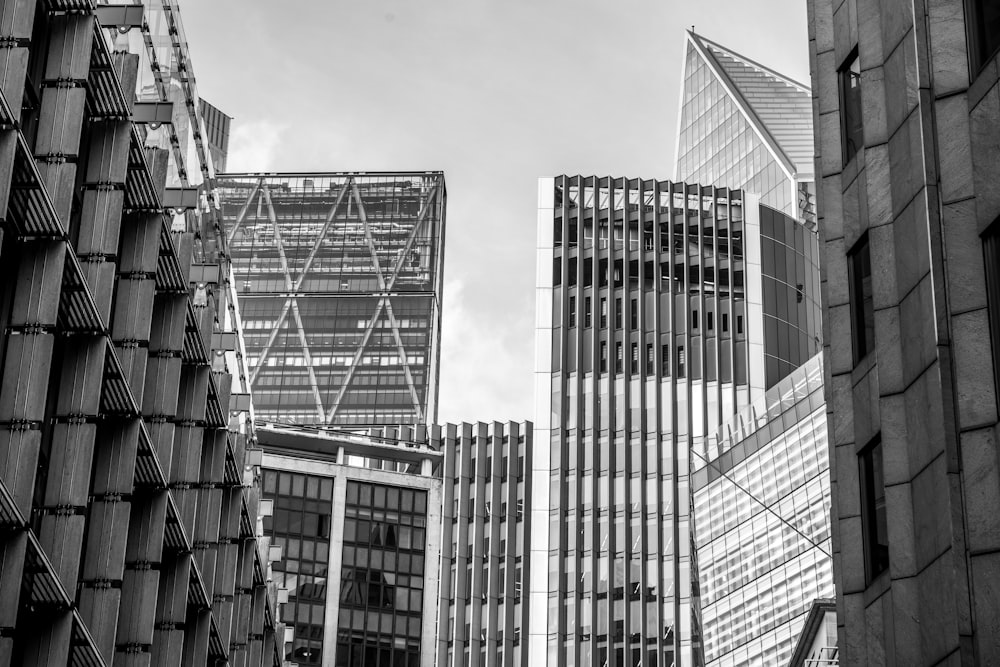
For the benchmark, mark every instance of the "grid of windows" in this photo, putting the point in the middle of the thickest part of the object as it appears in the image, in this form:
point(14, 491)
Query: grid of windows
point(300, 524)
point(382, 576)
point(762, 527)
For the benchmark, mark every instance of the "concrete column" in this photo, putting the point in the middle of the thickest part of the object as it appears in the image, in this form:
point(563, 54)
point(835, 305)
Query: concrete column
point(30, 340)
point(17, 19)
point(171, 610)
point(12, 551)
point(140, 582)
point(196, 634)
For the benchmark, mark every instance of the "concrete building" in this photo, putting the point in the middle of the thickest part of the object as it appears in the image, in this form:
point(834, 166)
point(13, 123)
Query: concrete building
point(403, 544)
point(907, 124)
point(340, 278)
point(744, 126)
point(663, 310)
point(358, 520)
point(761, 515)
point(129, 483)
point(484, 570)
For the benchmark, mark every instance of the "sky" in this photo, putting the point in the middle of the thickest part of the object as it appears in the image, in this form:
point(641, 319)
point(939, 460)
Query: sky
point(496, 93)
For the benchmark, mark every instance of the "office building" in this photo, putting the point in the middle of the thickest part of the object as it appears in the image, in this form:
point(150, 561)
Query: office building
point(908, 153)
point(403, 543)
point(743, 125)
point(663, 310)
point(484, 572)
point(340, 278)
point(761, 515)
point(358, 520)
point(128, 471)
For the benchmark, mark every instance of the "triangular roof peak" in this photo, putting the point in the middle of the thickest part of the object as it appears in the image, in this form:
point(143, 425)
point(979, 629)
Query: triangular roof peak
point(777, 107)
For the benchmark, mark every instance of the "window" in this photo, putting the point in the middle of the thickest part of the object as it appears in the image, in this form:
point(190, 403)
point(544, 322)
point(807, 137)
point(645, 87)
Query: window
point(725, 322)
point(649, 359)
point(862, 310)
point(635, 314)
point(618, 358)
point(739, 324)
point(635, 359)
point(604, 357)
point(572, 311)
point(991, 256)
point(873, 519)
point(694, 319)
point(851, 128)
point(586, 311)
point(680, 361)
point(604, 313)
point(984, 31)
point(711, 320)
point(618, 313)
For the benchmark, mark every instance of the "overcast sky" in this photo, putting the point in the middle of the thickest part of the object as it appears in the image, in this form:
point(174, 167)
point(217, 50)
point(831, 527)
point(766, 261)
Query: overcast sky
point(495, 93)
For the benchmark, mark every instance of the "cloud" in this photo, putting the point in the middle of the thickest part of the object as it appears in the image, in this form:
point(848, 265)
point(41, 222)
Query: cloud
point(486, 374)
point(253, 146)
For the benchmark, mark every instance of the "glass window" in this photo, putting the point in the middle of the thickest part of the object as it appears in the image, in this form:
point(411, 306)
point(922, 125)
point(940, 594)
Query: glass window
point(876, 539)
point(991, 256)
point(984, 31)
point(586, 311)
point(852, 129)
point(862, 308)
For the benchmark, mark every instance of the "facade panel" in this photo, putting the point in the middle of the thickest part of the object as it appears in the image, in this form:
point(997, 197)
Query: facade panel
point(340, 279)
point(657, 310)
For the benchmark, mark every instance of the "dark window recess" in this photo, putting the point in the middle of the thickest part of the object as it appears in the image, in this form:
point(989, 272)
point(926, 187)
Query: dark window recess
point(557, 272)
point(694, 319)
point(665, 361)
point(739, 324)
point(571, 278)
point(649, 359)
point(725, 322)
point(634, 314)
point(798, 293)
point(851, 127)
point(588, 272)
point(618, 313)
point(586, 311)
point(680, 361)
point(862, 308)
point(635, 359)
point(711, 320)
point(984, 31)
point(604, 357)
point(991, 257)
point(618, 358)
point(604, 313)
point(873, 519)
point(572, 311)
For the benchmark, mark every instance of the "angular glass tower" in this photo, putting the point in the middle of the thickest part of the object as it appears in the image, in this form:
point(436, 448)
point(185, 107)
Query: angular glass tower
point(339, 277)
point(663, 309)
point(742, 125)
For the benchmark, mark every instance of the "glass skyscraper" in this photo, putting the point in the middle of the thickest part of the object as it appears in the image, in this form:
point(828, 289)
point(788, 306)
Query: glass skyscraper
point(761, 514)
point(742, 125)
point(663, 309)
point(339, 277)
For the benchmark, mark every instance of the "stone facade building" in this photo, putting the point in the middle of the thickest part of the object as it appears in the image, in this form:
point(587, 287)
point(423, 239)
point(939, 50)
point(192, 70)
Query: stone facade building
point(908, 160)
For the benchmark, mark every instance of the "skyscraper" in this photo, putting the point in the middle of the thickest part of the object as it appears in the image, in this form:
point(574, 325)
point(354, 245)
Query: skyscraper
point(663, 309)
point(908, 153)
point(761, 514)
point(743, 125)
point(340, 278)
